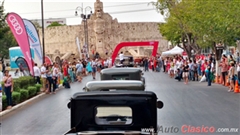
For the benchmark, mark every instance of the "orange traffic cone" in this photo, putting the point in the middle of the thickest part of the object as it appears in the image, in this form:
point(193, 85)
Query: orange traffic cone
point(220, 80)
point(236, 90)
point(216, 79)
point(227, 83)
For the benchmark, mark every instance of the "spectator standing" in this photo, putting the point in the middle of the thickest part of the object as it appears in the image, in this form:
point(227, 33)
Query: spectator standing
point(79, 68)
point(208, 73)
point(231, 77)
point(0, 96)
point(1, 69)
point(238, 58)
point(8, 88)
point(1, 66)
point(37, 73)
point(49, 78)
point(185, 72)
point(70, 72)
point(121, 57)
point(105, 63)
point(224, 69)
point(65, 69)
point(94, 68)
point(44, 77)
point(55, 74)
point(109, 61)
point(146, 64)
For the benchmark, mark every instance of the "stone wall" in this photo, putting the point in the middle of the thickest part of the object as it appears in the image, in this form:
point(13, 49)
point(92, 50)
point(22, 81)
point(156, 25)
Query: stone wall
point(62, 39)
point(104, 33)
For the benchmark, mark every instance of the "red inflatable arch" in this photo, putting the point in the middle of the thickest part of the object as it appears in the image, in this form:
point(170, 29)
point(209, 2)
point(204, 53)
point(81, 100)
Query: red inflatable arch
point(130, 44)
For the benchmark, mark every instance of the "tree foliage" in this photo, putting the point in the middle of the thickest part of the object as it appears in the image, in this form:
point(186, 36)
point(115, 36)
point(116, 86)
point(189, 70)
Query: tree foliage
point(200, 23)
point(54, 24)
point(36, 24)
point(7, 39)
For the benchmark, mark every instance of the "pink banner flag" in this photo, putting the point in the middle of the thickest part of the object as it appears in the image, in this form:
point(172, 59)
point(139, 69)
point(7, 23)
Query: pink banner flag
point(48, 61)
point(17, 27)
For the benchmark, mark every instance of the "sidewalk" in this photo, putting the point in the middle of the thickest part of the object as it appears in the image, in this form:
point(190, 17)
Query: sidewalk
point(24, 103)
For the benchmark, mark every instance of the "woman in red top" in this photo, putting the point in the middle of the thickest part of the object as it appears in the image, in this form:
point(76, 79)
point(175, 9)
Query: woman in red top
point(65, 70)
point(168, 66)
point(155, 64)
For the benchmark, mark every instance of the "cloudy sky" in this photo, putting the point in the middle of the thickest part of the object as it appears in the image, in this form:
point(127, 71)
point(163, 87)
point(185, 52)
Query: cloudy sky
point(123, 10)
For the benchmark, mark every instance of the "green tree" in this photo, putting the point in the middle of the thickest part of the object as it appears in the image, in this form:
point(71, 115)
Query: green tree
point(7, 39)
point(54, 24)
point(200, 23)
point(2, 15)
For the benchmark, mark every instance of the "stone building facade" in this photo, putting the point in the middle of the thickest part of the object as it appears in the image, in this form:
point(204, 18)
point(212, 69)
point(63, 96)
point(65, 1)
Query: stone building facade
point(104, 33)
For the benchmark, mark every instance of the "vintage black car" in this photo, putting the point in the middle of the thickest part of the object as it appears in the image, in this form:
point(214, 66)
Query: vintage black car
point(110, 85)
point(113, 112)
point(122, 74)
point(128, 62)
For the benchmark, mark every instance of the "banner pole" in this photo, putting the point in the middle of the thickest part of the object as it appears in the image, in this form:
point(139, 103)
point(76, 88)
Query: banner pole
point(43, 43)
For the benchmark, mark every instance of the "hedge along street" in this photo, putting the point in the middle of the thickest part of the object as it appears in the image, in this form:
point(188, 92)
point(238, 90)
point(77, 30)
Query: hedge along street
point(23, 103)
point(24, 89)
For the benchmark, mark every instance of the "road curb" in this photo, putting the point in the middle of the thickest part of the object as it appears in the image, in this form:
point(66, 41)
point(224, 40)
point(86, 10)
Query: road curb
point(24, 103)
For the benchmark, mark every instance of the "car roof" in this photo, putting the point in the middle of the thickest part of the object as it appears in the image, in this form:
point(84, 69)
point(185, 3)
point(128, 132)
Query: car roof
point(114, 93)
point(120, 70)
point(126, 56)
point(115, 85)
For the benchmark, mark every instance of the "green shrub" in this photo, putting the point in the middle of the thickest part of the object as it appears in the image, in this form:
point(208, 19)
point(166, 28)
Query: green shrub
point(24, 95)
point(24, 82)
point(31, 80)
point(4, 102)
point(38, 86)
point(32, 91)
point(16, 84)
point(16, 97)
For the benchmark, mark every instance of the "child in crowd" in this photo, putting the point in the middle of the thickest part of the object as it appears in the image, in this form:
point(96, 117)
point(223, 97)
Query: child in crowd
point(66, 83)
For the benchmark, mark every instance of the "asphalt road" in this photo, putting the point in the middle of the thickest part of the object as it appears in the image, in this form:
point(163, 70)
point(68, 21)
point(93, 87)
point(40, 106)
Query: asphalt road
point(194, 105)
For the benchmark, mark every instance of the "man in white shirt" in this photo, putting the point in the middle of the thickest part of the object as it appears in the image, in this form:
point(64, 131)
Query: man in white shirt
point(121, 57)
point(44, 77)
point(37, 73)
point(105, 63)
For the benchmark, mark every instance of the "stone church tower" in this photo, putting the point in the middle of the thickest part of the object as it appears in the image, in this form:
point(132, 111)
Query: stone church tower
point(104, 33)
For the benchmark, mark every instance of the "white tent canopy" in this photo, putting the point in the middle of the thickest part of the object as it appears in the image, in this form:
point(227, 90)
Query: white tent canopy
point(174, 51)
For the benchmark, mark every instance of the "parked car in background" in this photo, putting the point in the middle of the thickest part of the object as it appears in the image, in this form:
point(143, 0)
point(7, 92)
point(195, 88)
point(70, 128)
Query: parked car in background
point(111, 85)
point(128, 62)
point(122, 74)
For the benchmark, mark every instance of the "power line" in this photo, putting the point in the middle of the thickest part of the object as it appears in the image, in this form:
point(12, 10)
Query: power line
point(54, 11)
point(119, 12)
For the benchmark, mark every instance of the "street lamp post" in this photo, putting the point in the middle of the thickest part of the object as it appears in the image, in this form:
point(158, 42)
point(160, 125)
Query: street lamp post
point(43, 43)
point(85, 17)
